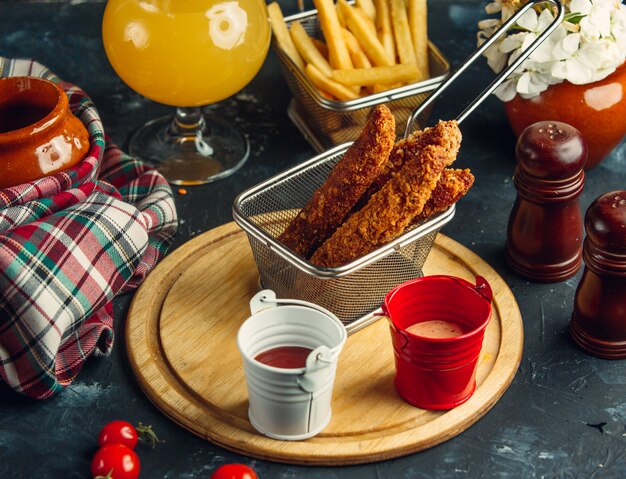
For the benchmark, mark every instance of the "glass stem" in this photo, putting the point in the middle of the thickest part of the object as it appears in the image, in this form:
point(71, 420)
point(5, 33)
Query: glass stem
point(189, 123)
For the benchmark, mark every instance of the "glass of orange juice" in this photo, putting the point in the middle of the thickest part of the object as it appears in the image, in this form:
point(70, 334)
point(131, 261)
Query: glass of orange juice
point(187, 54)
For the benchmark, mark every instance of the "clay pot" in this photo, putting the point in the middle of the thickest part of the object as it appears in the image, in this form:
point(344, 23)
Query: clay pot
point(597, 110)
point(39, 135)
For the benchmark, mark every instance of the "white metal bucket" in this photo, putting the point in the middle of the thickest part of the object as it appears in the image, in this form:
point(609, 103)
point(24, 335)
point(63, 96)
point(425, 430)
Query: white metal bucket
point(290, 404)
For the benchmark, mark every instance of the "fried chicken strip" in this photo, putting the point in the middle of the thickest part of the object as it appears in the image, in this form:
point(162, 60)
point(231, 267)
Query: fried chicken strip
point(452, 185)
point(414, 142)
point(395, 162)
point(389, 211)
point(331, 202)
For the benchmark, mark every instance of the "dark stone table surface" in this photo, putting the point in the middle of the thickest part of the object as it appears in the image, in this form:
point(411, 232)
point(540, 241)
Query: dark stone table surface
point(564, 415)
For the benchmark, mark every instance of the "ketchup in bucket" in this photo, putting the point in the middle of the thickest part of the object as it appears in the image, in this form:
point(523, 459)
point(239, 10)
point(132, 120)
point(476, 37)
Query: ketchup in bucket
point(286, 357)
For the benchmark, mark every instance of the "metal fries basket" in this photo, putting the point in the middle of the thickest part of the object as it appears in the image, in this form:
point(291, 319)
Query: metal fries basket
point(354, 291)
point(326, 123)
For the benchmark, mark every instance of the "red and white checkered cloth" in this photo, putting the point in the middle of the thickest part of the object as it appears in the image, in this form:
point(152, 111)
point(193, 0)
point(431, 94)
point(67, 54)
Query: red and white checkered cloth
point(69, 243)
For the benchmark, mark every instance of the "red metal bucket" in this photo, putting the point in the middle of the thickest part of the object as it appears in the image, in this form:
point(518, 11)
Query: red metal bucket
point(438, 372)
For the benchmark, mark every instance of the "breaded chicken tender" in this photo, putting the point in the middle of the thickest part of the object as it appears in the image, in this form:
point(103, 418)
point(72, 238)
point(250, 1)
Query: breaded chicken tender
point(349, 179)
point(452, 185)
point(401, 199)
point(415, 141)
point(393, 165)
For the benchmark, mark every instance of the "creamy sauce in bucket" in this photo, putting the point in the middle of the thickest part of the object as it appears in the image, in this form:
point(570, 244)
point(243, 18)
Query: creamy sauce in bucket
point(436, 329)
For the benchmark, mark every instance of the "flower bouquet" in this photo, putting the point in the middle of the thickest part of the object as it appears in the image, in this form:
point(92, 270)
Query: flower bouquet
point(588, 46)
point(575, 75)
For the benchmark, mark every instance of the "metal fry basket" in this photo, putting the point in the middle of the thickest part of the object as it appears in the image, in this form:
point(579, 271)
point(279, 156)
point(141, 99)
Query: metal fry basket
point(326, 123)
point(354, 291)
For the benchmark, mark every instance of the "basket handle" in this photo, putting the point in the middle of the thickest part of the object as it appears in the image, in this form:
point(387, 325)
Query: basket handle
point(410, 126)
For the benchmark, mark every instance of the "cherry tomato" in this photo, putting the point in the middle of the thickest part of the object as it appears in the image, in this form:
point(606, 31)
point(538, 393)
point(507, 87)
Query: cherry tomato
point(118, 460)
point(234, 471)
point(118, 432)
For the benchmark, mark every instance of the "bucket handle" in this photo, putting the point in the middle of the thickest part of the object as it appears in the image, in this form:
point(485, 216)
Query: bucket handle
point(315, 375)
point(261, 300)
point(483, 288)
point(266, 299)
point(399, 332)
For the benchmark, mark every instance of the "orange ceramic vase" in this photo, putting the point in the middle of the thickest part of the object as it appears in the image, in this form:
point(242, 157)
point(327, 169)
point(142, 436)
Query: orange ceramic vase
point(597, 110)
point(39, 135)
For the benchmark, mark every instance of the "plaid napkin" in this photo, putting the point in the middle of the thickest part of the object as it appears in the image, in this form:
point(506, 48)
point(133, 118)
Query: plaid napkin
point(69, 243)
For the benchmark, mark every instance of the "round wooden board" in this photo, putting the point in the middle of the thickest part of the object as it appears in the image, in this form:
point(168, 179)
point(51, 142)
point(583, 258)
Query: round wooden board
point(181, 340)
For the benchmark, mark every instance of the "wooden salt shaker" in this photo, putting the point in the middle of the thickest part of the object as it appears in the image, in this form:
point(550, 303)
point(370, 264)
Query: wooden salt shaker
point(545, 229)
point(598, 323)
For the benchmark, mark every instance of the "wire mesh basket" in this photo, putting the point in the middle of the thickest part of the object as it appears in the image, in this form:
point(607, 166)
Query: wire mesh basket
point(326, 123)
point(354, 291)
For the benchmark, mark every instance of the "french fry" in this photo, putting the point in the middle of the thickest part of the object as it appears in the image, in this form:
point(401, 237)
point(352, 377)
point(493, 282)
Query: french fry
point(328, 85)
point(359, 58)
point(368, 7)
point(338, 54)
point(384, 28)
point(321, 46)
point(378, 87)
point(386, 75)
point(326, 95)
point(418, 25)
point(402, 34)
point(370, 44)
point(371, 26)
point(360, 45)
point(281, 32)
point(307, 49)
point(341, 18)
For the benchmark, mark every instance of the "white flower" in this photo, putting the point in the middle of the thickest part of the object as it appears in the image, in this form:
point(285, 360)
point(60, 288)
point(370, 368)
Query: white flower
point(507, 91)
point(597, 22)
point(495, 58)
point(580, 6)
point(586, 47)
point(493, 7)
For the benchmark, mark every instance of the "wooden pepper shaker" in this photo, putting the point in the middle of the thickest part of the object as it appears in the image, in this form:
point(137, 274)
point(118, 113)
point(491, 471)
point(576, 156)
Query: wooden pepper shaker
point(598, 323)
point(545, 229)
